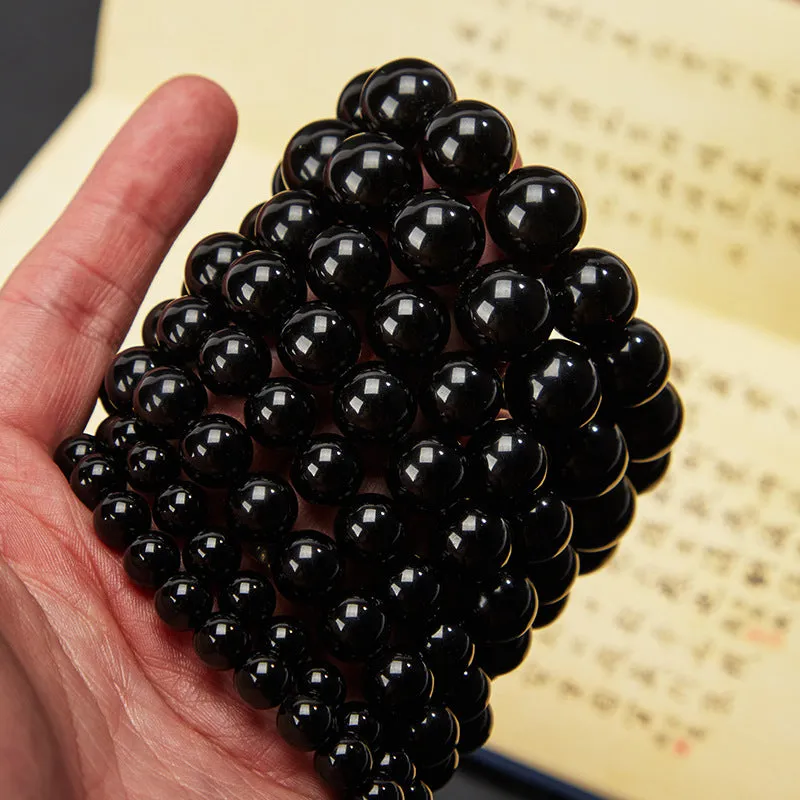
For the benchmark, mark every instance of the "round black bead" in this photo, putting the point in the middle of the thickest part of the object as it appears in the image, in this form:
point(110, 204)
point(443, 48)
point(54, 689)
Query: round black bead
point(427, 473)
point(652, 428)
point(417, 790)
point(305, 723)
point(282, 413)
point(467, 694)
point(169, 398)
point(437, 237)
point(216, 450)
point(348, 266)
point(263, 681)
point(233, 363)
point(250, 597)
point(181, 509)
point(322, 680)
point(468, 146)
point(556, 386)
point(286, 639)
point(152, 465)
point(401, 97)
point(222, 642)
point(308, 566)
point(398, 681)
point(277, 184)
point(395, 765)
point(95, 476)
point(308, 151)
point(475, 542)
point(124, 373)
point(248, 225)
point(548, 614)
point(501, 658)
point(505, 609)
point(370, 176)
point(432, 735)
point(435, 776)
point(209, 259)
point(183, 602)
point(369, 529)
point(447, 649)
point(371, 403)
point(345, 764)
point(555, 577)
point(543, 529)
point(475, 732)
point(646, 475)
point(150, 324)
point(318, 343)
point(212, 555)
point(355, 629)
point(184, 324)
point(601, 521)
point(261, 507)
point(327, 470)
point(289, 223)
point(120, 517)
point(358, 720)
point(594, 560)
point(122, 433)
point(103, 427)
point(461, 394)
point(151, 558)
point(74, 448)
point(413, 593)
point(380, 789)
point(347, 103)
point(536, 214)
point(105, 402)
point(262, 288)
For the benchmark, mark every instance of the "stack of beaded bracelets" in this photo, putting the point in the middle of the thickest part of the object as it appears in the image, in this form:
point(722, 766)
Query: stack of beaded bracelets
point(502, 461)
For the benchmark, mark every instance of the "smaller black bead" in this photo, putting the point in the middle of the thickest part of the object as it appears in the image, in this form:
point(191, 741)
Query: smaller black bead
point(355, 628)
point(209, 259)
point(308, 566)
point(282, 413)
point(327, 470)
point(151, 558)
point(593, 561)
point(248, 225)
point(413, 593)
point(287, 639)
point(505, 609)
point(398, 681)
point(233, 363)
point(417, 790)
point(347, 103)
point(122, 433)
point(183, 602)
point(184, 324)
point(261, 507)
point(73, 449)
point(250, 597)
point(181, 509)
point(124, 373)
point(548, 614)
point(150, 323)
point(308, 151)
point(395, 765)
point(277, 184)
point(475, 542)
point(168, 398)
point(368, 528)
point(216, 450)
point(646, 475)
point(120, 517)
point(345, 764)
point(222, 642)
point(543, 529)
point(289, 223)
point(555, 577)
point(380, 789)
point(152, 465)
point(652, 428)
point(305, 723)
point(105, 402)
point(432, 735)
point(263, 681)
point(501, 658)
point(95, 476)
point(322, 680)
point(467, 694)
point(447, 649)
point(600, 522)
point(358, 720)
point(475, 732)
point(101, 432)
point(435, 776)
point(212, 555)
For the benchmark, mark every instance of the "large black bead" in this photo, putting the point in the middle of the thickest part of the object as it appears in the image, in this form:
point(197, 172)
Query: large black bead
point(181, 509)
point(250, 597)
point(555, 577)
point(371, 403)
point(347, 103)
point(395, 765)
point(401, 97)
point(368, 528)
point(355, 628)
point(306, 723)
point(556, 386)
point(437, 237)
point(475, 732)
point(548, 614)
point(308, 151)
point(370, 176)
point(345, 764)
point(468, 146)
point(150, 324)
point(263, 681)
point(447, 649)
point(601, 521)
point(209, 259)
point(281, 413)
point(646, 475)
point(398, 681)
point(216, 450)
point(535, 214)
point(222, 642)
point(233, 363)
point(413, 593)
point(95, 476)
point(468, 693)
point(322, 680)
point(502, 311)
point(327, 470)
point(124, 373)
point(543, 529)
point(184, 324)
point(501, 658)
point(289, 223)
point(183, 602)
point(169, 398)
point(435, 776)
point(120, 517)
point(152, 465)
point(151, 558)
point(261, 507)
point(318, 343)
point(432, 735)
point(652, 428)
point(122, 433)
point(505, 609)
point(461, 394)
point(74, 448)
point(408, 323)
point(358, 720)
point(475, 542)
point(427, 473)
point(212, 555)
point(286, 639)
point(348, 266)
point(308, 567)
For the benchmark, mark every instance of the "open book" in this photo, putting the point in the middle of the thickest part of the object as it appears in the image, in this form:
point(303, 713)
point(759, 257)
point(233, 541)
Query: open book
point(675, 673)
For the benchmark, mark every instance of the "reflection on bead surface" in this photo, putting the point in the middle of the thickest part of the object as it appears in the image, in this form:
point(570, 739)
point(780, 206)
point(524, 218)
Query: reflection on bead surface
point(180, 509)
point(263, 681)
point(555, 577)
point(169, 398)
point(347, 104)
point(344, 764)
point(150, 324)
point(120, 517)
point(322, 680)
point(646, 475)
point(395, 765)
point(151, 558)
point(413, 593)
point(548, 614)
point(535, 213)
point(216, 450)
point(289, 223)
point(152, 465)
point(435, 776)
point(398, 681)
point(447, 649)
point(184, 324)
point(305, 723)
point(505, 608)
point(73, 449)
point(327, 470)
point(417, 790)
point(183, 602)
point(368, 528)
point(475, 542)
point(308, 567)
point(601, 521)
point(358, 720)
point(281, 413)
point(381, 790)
point(468, 694)
point(124, 373)
point(652, 428)
point(287, 639)
point(250, 597)
point(543, 529)
point(355, 628)
point(209, 259)
point(501, 658)
point(261, 507)
point(221, 642)
point(475, 732)
point(212, 555)
point(308, 151)
point(233, 363)
point(93, 477)
point(593, 561)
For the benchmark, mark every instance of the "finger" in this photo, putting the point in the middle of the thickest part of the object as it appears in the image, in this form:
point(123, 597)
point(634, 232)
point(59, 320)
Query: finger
point(68, 305)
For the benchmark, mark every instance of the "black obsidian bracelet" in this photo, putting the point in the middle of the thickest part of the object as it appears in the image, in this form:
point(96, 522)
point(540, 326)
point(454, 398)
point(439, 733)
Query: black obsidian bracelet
point(511, 458)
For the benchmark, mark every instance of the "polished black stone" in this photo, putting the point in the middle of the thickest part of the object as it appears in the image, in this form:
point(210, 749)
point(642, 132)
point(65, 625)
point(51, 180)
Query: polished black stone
point(277, 182)
point(359, 720)
point(287, 639)
point(250, 597)
point(263, 681)
point(634, 369)
point(395, 765)
point(345, 764)
point(355, 628)
point(468, 146)
point(261, 507)
point(169, 398)
point(413, 593)
point(221, 642)
point(592, 561)
point(447, 649)
point(216, 450)
point(151, 558)
point(122, 433)
point(233, 363)
point(212, 555)
point(503, 312)
point(556, 386)
point(594, 295)
point(646, 475)
point(262, 288)
point(120, 517)
point(95, 476)
point(437, 237)
point(555, 577)
point(505, 609)
point(501, 658)
point(308, 151)
point(74, 448)
point(370, 176)
point(306, 723)
point(348, 266)
point(435, 776)
point(248, 225)
point(601, 521)
point(373, 404)
point(398, 681)
point(369, 529)
point(535, 214)
point(432, 735)
point(475, 732)
point(210, 258)
point(327, 470)
point(408, 323)
point(282, 413)
point(651, 429)
point(347, 103)
point(308, 566)
point(183, 602)
point(475, 542)
point(417, 790)
point(318, 343)
point(427, 473)
point(124, 373)
point(543, 529)
point(461, 394)
point(181, 509)
point(380, 789)
point(467, 694)
point(103, 427)
point(152, 465)
point(549, 613)
point(322, 680)
point(184, 324)
point(150, 324)
point(401, 97)
point(105, 402)
point(289, 222)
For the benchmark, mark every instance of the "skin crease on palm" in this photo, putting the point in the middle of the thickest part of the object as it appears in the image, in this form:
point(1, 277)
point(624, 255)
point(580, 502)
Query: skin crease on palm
point(98, 699)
